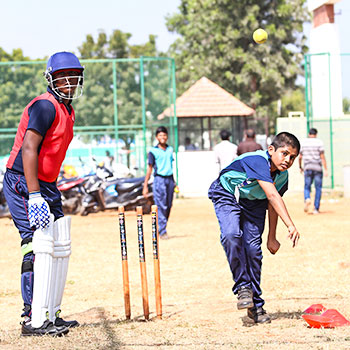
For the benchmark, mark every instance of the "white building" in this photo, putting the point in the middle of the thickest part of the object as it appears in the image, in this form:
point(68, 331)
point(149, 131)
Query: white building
point(325, 59)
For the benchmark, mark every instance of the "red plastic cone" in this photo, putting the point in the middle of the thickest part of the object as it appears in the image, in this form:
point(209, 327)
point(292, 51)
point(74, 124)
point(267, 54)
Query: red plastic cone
point(315, 309)
point(318, 321)
point(328, 319)
point(338, 319)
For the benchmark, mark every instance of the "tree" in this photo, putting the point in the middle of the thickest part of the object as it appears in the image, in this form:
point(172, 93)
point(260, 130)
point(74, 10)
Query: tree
point(19, 84)
point(216, 42)
point(293, 101)
point(346, 105)
point(96, 107)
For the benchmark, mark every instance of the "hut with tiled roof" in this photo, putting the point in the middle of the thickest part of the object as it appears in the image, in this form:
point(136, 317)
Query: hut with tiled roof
point(205, 109)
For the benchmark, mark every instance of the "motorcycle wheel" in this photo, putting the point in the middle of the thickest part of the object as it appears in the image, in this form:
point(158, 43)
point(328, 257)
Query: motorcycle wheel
point(71, 205)
point(83, 211)
point(78, 207)
point(4, 211)
point(147, 207)
point(145, 203)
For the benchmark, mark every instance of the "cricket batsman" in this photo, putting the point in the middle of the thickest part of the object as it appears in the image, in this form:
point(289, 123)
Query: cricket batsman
point(42, 139)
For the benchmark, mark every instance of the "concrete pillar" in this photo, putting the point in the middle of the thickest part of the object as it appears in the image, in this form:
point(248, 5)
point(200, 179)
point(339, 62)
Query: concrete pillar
point(326, 80)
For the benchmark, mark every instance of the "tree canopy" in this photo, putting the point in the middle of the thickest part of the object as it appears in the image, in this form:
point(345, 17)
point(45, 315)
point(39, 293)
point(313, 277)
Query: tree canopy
point(20, 83)
point(216, 42)
point(96, 107)
point(346, 105)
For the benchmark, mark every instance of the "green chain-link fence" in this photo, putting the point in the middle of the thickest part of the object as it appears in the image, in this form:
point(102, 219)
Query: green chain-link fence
point(327, 92)
point(117, 112)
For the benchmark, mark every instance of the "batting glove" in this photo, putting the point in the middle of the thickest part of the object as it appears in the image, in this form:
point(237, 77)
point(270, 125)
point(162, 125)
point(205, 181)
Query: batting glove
point(38, 211)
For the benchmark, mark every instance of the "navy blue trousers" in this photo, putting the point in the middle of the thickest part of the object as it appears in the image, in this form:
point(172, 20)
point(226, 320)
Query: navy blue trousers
point(163, 192)
point(241, 237)
point(16, 194)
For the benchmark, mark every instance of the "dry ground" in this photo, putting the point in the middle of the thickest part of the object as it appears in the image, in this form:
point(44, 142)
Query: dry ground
point(198, 305)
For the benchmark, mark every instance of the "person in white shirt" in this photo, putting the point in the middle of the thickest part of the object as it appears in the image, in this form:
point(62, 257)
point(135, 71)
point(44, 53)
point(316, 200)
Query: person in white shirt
point(315, 166)
point(225, 151)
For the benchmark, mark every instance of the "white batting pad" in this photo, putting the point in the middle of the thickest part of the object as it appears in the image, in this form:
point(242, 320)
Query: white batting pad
point(43, 250)
point(61, 253)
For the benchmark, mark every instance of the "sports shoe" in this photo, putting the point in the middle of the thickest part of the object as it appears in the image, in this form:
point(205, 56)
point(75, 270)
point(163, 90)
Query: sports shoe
point(59, 322)
point(259, 315)
point(46, 329)
point(164, 236)
point(307, 204)
point(315, 212)
point(245, 298)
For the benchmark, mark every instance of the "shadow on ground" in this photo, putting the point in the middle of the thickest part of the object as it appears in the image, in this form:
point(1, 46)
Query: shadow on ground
point(248, 322)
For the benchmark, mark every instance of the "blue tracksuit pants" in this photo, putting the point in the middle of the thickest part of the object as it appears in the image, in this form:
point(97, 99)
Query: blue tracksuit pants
point(16, 194)
point(163, 192)
point(241, 233)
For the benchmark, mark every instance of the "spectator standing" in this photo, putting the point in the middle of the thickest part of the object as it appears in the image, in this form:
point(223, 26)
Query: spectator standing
point(249, 144)
point(225, 151)
point(189, 146)
point(108, 161)
point(160, 160)
point(312, 152)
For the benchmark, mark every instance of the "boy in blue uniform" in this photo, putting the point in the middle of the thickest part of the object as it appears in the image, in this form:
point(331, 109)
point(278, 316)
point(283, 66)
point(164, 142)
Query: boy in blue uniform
point(252, 183)
point(160, 158)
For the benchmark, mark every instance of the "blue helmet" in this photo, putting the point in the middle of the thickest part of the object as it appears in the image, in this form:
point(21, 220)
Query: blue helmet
point(65, 61)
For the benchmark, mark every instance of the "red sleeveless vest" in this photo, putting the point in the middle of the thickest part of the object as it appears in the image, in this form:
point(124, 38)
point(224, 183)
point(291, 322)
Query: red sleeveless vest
point(55, 143)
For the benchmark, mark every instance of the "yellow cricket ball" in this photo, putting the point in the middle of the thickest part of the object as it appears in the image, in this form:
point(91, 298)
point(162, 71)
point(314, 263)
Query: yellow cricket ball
point(260, 36)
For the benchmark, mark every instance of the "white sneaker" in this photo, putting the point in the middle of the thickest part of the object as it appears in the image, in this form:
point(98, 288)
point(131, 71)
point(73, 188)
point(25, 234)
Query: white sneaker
point(315, 212)
point(307, 205)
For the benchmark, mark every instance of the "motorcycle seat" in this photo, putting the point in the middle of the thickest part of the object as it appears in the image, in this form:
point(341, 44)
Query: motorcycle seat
point(132, 180)
point(129, 184)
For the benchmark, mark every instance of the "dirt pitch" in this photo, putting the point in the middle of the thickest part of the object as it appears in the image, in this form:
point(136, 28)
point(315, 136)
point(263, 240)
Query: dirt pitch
point(198, 305)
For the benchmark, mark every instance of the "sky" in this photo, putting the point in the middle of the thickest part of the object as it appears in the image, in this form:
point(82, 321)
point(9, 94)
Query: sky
point(41, 27)
point(342, 19)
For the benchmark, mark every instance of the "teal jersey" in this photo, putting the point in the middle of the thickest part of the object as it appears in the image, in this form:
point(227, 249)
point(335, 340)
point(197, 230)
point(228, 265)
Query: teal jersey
point(161, 160)
point(242, 174)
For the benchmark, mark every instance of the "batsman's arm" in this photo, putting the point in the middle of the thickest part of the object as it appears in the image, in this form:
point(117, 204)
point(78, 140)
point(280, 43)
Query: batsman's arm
point(38, 208)
point(30, 147)
point(145, 184)
point(278, 205)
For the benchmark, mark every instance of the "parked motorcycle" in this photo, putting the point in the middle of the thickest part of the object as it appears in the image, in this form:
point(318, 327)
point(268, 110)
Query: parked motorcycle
point(74, 188)
point(72, 194)
point(127, 193)
point(100, 190)
point(107, 192)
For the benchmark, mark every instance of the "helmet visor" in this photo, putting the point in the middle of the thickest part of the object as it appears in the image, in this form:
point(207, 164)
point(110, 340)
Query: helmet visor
point(68, 84)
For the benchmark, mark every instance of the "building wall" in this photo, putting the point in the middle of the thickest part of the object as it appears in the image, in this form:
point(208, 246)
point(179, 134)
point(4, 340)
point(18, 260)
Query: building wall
point(334, 134)
point(326, 84)
point(196, 172)
point(326, 79)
